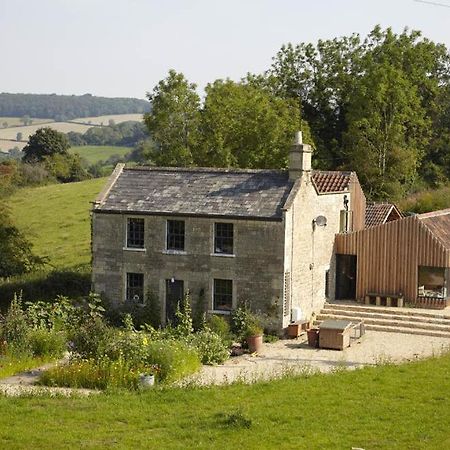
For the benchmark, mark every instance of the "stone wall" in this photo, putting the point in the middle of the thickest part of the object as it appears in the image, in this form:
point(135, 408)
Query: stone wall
point(256, 267)
point(309, 249)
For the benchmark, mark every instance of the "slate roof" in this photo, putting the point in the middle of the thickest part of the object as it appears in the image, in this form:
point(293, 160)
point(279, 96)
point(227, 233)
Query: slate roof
point(257, 194)
point(327, 182)
point(378, 213)
point(438, 222)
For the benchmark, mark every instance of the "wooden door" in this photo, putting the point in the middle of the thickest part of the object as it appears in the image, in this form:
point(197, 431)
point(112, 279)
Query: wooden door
point(174, 295)
point(346, 277)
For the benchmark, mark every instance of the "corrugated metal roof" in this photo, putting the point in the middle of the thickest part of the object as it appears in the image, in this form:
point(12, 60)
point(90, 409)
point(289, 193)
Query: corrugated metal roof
point(438, 222)
point(327, 182)
point(199, 191)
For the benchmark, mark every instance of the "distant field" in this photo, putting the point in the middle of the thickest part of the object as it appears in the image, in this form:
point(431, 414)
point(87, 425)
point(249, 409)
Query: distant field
point(56, 220)
point(64, 127)
point(118, 118)
point(16, 121)
point(96, 153)
point(7, 145)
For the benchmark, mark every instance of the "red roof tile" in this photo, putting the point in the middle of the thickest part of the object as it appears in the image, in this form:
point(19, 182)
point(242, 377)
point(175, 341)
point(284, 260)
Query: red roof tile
point(327, 182)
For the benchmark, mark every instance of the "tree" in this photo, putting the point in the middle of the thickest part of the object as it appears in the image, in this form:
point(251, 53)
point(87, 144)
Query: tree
point(173, 121)
point(16, 255)
point(19, 136)
point(386, 133)
point(244, 125)
point(45, 142)
point(333, 78)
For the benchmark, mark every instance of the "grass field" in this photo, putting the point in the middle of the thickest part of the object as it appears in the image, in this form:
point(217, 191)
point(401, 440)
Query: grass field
point(17, 121)
point(64, 127)
point(385, 407)
point(6, 145)
point(118, 118)
point(56, 220)
point(96, 153)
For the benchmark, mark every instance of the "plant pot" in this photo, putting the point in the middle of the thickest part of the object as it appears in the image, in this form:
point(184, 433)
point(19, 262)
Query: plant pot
point(146, 381)
point(313, 337)
point(255, 343)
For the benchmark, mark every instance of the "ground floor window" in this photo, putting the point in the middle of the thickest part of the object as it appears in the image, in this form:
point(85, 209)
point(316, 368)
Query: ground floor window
point(432, 282)
point(135, 287)
point(223, 295)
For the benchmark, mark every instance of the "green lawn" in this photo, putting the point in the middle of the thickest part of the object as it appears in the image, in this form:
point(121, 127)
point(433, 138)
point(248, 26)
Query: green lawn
point(96, 153)
point(56, 220)
point(388, 407)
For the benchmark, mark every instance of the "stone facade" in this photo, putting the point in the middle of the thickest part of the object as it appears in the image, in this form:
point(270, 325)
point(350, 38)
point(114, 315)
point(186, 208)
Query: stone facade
point(283, 255)
point(309, 247)
point(256, 268)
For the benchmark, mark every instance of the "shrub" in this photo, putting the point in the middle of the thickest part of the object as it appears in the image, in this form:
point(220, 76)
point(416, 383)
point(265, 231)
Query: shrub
point(210, 346)
point(130, 346)
point(44, 285)
point(175, 359)
point(219, 325)
point(47, 343)
point(91, 338)
point(241, 318)
point(92, 374)
point(183, 316)
point(14, 329)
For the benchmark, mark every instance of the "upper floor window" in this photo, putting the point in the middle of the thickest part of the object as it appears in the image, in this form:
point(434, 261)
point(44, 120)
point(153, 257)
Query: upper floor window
point(223, 238)
point(135, 287)
point(223, 295)
point(175, 235)
point(135, 233)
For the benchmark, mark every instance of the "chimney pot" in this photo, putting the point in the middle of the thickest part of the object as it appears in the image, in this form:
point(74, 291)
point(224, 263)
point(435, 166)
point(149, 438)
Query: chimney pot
point(299, 157)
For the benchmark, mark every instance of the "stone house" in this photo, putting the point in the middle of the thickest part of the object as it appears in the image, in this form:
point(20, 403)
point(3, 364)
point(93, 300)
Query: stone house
point(226, 235)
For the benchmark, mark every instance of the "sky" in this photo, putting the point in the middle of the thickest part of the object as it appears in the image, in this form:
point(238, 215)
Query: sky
point(122, 48)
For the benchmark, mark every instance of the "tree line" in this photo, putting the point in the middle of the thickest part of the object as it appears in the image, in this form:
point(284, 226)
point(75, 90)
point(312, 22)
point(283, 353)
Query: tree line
point(378, 105)
point(67, 107)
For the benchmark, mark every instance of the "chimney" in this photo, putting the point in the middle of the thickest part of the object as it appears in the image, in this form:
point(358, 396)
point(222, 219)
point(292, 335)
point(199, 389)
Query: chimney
point(299, 157)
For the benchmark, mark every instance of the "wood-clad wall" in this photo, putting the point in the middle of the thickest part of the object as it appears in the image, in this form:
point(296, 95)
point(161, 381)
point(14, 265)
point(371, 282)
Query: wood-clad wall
point(358, 204)
point(388, 256)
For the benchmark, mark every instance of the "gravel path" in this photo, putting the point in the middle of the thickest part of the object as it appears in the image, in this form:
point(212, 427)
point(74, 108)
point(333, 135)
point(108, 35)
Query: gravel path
point(295, 356)
point(24, 384)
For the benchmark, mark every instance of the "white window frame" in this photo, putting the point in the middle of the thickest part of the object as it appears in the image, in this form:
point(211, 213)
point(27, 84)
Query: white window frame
point(225, 255)
point(134, 249)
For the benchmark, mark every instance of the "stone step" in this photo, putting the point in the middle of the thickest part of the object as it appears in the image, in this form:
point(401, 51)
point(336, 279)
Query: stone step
point(404, 330)
point(388, 322)
point(386, 310)
point(386, 316)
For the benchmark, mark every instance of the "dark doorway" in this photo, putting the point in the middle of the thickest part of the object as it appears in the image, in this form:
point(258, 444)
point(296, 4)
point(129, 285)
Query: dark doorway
point(346, 277)
point(174, 294)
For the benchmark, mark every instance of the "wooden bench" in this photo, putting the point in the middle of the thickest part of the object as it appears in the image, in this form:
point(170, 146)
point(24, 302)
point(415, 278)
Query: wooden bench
point(384, 299)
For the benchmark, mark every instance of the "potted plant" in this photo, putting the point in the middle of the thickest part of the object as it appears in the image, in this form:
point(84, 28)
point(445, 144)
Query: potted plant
point(254, 336)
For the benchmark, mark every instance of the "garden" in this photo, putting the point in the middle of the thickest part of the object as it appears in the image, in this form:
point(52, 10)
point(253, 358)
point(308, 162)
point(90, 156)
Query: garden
point(121, 348)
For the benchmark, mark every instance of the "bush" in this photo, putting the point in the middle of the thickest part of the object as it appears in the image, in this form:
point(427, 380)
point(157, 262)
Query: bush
point(91, 338)
point(175, 359)
point(47, 343)
point(92, 374)
point(241, 318)
point(219, 325)
point(211, 347)
point(44, 285)
point(14, 329)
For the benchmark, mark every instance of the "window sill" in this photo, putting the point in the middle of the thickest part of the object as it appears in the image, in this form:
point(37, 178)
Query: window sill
point(219, 311)
point(174, 252)
point(131, 249)
point(226, 255)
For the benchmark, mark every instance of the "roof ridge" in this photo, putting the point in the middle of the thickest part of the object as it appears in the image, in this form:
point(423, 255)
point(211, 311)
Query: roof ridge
point(440, 212)
point(204, 169)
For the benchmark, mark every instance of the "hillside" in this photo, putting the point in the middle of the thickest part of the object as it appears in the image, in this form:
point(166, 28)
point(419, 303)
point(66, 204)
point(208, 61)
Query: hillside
point(66, 107)
point(95, 153)
point(56, 220)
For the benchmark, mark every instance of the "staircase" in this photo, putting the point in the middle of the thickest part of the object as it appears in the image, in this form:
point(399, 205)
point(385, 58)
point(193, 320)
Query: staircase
point(391, 320)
